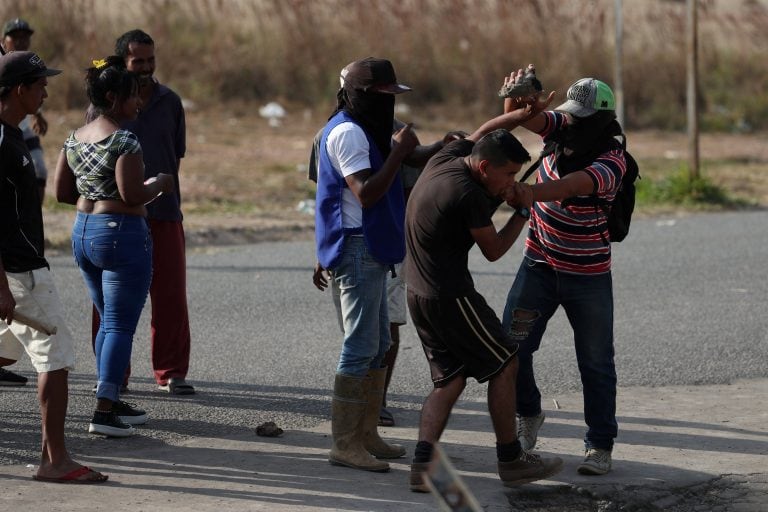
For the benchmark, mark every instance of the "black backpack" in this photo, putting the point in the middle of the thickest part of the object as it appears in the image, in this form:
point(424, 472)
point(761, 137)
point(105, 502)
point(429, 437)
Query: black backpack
point(619, 211)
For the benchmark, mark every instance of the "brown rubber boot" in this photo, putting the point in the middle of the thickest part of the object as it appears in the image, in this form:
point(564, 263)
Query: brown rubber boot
point(347, 415)
point(371, 440)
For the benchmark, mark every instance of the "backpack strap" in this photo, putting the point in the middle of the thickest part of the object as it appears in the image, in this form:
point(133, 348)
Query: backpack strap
point(549, 148)
point(530, 170)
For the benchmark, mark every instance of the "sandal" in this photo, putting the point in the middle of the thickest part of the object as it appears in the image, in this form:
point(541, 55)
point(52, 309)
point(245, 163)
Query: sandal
point(74, 477)
point(177, 386)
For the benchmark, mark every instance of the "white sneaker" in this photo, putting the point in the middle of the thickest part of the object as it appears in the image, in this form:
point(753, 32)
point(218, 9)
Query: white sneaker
point(596, 462)
point(528, 430)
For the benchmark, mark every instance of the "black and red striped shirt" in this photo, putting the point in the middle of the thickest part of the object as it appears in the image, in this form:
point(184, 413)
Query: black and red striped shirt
point(572, 238)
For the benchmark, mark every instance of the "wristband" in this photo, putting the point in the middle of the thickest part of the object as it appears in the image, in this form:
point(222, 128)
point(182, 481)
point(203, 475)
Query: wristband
point(523, 212)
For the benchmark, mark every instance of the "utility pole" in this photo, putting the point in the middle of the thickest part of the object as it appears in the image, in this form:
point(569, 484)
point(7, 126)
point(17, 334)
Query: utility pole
point(618, 81)
point(692, 88)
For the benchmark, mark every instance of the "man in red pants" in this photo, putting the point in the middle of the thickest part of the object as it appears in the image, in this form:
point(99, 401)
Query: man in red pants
point(161, 129)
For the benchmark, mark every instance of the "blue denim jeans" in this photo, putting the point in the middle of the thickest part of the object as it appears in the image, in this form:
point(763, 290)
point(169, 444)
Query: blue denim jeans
point(537, 292)
point(359, 286)
point(114, 254)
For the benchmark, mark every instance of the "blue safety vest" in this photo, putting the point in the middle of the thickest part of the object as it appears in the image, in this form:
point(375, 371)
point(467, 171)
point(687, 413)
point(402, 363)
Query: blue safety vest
point(383, 223)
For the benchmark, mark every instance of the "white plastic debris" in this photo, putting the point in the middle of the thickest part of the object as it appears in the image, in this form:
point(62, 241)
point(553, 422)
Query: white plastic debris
point(272, 111)
point(306, 206)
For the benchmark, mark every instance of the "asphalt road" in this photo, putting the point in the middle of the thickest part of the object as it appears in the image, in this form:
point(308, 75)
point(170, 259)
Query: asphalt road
point(690, 309)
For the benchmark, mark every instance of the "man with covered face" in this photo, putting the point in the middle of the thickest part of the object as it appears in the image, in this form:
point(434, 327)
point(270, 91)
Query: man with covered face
point(567, 261)
point(359, 223)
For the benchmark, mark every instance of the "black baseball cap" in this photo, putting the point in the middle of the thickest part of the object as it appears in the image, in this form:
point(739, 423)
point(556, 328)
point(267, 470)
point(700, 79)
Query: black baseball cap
point(16, 24)
point(371, 74)
point(18, 67)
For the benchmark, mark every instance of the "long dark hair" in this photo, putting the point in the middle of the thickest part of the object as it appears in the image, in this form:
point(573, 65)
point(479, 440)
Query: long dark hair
point(107, 76)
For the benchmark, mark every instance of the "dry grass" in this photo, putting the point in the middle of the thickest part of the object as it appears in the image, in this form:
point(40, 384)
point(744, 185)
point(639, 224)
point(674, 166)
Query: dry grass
point(242, 180)
point(453, 52)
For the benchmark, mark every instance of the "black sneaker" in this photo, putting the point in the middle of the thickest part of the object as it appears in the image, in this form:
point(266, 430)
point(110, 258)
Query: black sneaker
point(109, 424)
point(8, 378)
point(128, 413)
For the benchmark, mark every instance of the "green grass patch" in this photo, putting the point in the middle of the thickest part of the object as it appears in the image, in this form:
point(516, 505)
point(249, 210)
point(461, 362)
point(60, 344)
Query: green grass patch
point(679, 189)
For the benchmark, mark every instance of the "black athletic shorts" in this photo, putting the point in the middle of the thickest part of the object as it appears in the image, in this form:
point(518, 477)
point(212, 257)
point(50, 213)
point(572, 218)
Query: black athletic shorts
point(460, 335)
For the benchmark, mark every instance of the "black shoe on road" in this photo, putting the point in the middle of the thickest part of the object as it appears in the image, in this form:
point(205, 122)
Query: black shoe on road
point(109, 424)
point(129, 413)
point(8, 378)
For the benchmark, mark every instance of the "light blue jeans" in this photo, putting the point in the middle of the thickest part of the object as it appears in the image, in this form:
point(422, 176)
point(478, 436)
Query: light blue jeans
point(359, 288)
point(114, 254)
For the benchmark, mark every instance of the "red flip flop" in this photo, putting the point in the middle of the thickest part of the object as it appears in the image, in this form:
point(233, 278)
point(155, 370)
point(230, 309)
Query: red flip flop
point(73, 477)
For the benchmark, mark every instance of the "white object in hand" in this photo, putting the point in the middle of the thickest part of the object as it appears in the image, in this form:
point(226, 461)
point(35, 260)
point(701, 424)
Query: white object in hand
point(149, 181)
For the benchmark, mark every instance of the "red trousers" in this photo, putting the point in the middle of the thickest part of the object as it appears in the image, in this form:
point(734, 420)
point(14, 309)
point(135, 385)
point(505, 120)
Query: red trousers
point(168, 295)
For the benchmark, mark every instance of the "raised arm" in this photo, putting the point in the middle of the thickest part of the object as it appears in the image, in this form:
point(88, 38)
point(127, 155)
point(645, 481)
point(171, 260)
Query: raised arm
point(421, 154)
point(537, 121)
point(369, 187)
point(525, 115)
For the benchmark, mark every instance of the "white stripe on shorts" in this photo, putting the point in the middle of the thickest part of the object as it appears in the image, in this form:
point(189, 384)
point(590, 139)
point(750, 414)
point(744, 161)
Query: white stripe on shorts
point(485, 337)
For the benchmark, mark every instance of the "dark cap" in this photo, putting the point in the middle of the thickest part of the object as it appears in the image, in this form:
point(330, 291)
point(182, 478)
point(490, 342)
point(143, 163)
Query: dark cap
point(372, 75)
point(17, 67)
point(16, 24)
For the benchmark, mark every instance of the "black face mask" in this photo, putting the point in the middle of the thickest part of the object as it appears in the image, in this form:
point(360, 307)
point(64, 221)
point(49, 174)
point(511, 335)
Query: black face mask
point(374, 111)
point(583, 139)
point(582, 134)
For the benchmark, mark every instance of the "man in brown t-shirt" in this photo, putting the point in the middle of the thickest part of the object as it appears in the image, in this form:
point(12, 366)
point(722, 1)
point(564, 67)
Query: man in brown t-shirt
point(449, 211)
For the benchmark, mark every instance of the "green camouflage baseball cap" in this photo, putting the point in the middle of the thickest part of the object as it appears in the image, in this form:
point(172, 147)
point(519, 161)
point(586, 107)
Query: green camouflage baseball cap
point(587, 96)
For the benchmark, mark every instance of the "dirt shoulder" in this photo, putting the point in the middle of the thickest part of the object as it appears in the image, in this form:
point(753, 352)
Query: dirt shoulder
point(201, 230)
point(242, 181)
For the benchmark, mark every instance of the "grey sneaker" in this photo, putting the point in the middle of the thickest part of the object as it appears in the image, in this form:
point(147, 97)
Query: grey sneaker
point(528, 430)
point(528, 468)
point(596, 462)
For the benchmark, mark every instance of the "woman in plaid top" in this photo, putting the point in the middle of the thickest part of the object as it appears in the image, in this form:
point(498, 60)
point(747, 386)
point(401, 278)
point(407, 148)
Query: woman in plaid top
point(101, 170)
